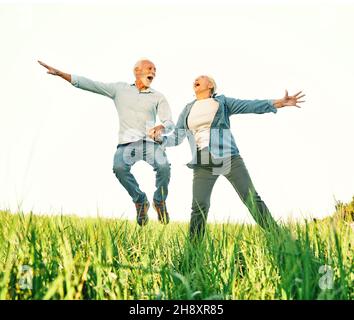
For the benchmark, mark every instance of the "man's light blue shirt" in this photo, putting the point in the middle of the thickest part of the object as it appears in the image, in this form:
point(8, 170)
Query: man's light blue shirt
point(137, 110)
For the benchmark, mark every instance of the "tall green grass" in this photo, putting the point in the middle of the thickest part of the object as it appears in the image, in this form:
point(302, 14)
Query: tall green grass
point(63, 257)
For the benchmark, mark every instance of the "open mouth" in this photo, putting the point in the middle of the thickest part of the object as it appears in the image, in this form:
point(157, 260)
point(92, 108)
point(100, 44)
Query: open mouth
point(150, 78)
point(196, 84)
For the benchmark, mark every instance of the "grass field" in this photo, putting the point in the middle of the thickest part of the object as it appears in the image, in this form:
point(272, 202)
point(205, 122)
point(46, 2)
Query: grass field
point(65, 257)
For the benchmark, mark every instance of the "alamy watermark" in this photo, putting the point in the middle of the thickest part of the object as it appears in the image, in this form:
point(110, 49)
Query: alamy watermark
point(218, 155)
point(326, 282)
point(25, 281)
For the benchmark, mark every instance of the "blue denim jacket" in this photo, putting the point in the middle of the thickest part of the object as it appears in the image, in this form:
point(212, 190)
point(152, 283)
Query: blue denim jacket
point(222, 143)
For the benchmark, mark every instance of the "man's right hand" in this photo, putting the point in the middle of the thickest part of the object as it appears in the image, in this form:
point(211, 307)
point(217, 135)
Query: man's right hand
point(55, 72)
point(155, 132)
point(50, 69)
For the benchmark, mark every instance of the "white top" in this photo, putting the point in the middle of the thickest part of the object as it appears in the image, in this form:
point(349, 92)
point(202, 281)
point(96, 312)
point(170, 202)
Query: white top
point(200, 118)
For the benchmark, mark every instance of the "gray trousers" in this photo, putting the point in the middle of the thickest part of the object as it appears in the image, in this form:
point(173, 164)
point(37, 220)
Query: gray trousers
point(236, 172)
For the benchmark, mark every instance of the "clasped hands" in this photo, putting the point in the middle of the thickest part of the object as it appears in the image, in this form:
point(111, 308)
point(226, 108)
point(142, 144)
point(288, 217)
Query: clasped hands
point(156, 132)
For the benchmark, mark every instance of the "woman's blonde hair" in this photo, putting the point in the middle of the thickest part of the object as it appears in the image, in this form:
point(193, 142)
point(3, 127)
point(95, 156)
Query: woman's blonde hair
point(212, 81)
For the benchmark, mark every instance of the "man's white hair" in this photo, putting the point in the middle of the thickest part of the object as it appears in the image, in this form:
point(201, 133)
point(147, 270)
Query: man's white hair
point(140, 62)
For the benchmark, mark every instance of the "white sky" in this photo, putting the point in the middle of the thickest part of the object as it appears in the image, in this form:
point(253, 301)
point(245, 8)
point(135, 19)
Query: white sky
point(57, 142)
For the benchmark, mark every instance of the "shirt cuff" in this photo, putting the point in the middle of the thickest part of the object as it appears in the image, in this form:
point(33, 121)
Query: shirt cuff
point(169, 126)
point(272, 108)
point(75, 80)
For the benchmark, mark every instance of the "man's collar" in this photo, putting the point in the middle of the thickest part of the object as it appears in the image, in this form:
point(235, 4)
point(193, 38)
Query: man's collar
point(148, 90)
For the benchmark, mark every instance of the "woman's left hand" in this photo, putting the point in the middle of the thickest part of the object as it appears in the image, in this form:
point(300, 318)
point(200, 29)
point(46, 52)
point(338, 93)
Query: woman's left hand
point(289, 100)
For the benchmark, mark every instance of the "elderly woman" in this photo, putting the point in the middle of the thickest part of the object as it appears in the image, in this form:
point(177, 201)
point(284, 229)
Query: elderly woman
point(206, 123)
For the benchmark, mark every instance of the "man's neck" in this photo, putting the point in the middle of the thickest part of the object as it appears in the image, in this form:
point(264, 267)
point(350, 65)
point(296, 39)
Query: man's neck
point(140, 85)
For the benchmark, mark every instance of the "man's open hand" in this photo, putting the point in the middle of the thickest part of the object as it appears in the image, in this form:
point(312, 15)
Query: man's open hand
point(56, 72)
point(50, 69)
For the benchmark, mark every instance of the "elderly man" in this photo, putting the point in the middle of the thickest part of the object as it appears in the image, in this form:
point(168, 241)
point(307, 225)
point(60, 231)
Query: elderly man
point(137, 105)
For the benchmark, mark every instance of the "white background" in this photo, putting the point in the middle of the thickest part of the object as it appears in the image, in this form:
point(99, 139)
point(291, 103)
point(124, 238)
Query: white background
point(57, 142)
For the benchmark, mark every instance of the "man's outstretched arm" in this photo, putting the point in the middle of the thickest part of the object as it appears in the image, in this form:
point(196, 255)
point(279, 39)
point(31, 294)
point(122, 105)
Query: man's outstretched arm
point(56, 72)
point(106, 89)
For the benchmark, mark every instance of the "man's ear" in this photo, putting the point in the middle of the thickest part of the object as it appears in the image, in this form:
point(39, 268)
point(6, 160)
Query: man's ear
point(136, 70)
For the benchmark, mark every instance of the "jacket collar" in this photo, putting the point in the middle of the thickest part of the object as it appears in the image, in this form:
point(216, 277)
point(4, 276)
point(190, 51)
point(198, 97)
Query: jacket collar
point(188, 110)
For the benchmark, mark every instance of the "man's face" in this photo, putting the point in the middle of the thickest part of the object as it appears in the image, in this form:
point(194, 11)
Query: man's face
point(145, 73)
point(202, 84)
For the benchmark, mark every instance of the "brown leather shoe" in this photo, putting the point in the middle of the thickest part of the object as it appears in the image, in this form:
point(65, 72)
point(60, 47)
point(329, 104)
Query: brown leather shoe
point(162, 214)
point(142, 209)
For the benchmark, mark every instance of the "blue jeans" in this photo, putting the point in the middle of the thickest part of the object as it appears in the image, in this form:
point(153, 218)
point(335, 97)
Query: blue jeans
point(130, 153)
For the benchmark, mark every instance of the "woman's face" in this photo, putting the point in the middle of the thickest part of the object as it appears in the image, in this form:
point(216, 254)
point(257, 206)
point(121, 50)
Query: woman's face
point(202, 84)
